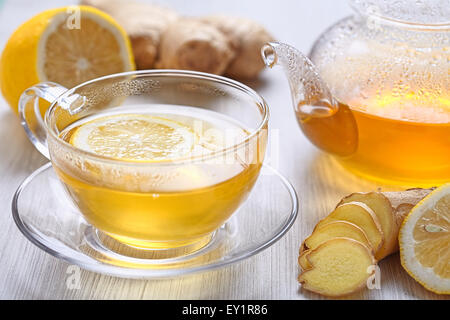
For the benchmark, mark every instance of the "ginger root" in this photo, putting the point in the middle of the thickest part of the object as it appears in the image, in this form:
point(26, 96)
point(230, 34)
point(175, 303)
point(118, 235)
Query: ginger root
point(382, 211)
point(160, 38)
point(246, 38)
point(144, 24)
point(191, 44)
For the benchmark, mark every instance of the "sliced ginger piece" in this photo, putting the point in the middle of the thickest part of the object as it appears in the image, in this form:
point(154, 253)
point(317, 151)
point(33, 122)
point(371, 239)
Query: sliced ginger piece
point(328, 231)
point(338, 267)
point(361, 215)
point(390, 209)
point(384, 211)
point(335, 229)
point(303, 260)
point(382, 214)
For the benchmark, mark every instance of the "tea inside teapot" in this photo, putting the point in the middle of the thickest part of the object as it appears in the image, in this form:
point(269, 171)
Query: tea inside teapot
point(386, 115)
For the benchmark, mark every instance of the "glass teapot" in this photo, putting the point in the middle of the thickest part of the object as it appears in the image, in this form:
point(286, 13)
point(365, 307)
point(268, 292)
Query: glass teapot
point(375, 91)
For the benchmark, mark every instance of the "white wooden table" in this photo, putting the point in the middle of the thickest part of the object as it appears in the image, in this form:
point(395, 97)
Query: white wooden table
point(26, 272)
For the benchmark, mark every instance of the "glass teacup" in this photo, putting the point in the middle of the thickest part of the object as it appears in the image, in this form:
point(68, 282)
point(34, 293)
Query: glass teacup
point(165, 203)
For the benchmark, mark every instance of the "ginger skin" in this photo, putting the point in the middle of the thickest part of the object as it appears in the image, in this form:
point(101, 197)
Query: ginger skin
point(389, 209)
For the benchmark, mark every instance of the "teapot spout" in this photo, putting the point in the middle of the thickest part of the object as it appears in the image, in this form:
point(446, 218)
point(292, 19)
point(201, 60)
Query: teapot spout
point(328, 124)
point(311, 96)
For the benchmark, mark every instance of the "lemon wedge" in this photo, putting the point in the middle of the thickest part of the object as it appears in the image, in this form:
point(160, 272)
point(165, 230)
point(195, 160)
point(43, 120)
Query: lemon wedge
point(424, 240)
point(135, 137)
point(68, 45)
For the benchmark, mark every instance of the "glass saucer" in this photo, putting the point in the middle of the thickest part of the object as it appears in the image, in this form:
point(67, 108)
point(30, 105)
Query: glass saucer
point(48, 218)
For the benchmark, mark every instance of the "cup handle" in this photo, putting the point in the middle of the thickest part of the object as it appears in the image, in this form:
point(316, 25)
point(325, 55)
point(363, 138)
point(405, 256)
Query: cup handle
point(30, 115)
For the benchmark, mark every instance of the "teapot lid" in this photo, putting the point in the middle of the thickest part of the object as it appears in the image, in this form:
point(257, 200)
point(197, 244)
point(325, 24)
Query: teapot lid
point(418, 12)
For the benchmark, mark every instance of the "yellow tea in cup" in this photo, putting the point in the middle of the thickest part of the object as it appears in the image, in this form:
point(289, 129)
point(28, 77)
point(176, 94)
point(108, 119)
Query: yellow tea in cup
point(175, 201)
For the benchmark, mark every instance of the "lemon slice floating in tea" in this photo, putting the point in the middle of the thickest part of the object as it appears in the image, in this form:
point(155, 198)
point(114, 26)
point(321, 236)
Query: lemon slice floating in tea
point(425, 241)
point(135, 137)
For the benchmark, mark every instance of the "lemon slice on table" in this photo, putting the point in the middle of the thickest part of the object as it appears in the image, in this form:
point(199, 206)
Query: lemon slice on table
point(424, 240)
point(135, 137)
point(68, 46)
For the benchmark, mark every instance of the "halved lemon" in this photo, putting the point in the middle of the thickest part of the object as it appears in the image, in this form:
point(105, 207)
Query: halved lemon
point(68, 46)
point(135, 137)
point(424, 240)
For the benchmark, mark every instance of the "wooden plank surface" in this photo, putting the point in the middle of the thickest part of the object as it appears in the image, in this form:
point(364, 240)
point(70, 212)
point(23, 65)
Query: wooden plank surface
point(26, 272)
